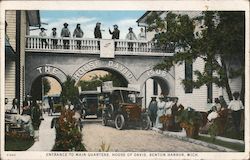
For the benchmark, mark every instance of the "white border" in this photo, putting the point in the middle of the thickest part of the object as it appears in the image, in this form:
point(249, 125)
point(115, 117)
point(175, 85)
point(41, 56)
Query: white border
point(125, 5)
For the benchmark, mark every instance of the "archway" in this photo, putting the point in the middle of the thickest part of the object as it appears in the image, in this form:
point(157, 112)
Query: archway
point(95, 78)
point(153, 87)
point(45, 85)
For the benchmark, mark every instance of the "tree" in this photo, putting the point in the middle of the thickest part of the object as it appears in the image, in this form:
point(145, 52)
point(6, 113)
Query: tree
point(220, 40)
point(69, 91)
point(39, 84)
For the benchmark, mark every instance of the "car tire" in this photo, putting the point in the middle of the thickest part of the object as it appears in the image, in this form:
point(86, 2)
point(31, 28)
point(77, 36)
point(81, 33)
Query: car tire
point(145, 123)
point(119, 121)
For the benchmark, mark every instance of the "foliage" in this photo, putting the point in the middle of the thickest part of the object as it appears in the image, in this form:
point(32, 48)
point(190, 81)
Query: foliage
point(69, 91)
point(15, 141)
point(104, 147)
point(191, 121)
point(96, 81)
point(213, 130)
point(68, 136)
point(36, 91)
point(220, 34)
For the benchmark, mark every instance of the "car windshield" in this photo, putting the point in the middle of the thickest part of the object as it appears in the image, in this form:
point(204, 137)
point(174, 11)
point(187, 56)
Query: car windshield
point(128, 96)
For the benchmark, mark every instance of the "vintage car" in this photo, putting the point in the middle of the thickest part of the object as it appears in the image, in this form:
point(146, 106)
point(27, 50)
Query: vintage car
point(123, 107)
point(90, 103)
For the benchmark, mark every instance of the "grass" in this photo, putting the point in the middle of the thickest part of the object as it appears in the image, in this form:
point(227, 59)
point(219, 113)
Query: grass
point(15, 144)
point(234, 146)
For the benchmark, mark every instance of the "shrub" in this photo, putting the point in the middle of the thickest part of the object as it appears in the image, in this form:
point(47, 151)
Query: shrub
point(69, 137)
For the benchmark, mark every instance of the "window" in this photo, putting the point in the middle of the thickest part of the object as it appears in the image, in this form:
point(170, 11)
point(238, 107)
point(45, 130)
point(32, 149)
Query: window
point(210, 93)
point(188, 76)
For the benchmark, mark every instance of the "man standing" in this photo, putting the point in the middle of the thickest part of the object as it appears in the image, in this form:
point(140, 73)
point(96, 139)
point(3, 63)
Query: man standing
point(54, 38)
point(130, 36)
point(152, 111)
point(78, 33)
point(65, 33)
point(115, 34)
point(98, 33)
point(42, 34)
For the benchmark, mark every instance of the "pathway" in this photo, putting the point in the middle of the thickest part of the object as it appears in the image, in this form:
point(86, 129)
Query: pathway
point(46, 136)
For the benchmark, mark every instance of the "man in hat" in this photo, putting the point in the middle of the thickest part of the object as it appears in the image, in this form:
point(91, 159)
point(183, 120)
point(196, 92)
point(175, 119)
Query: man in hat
point(115, 34)
point(65, 33)
point(54, 38)
point(152, 111)
point(130, 36)
point(78, 33)
point(98, 33)
point(43, 40)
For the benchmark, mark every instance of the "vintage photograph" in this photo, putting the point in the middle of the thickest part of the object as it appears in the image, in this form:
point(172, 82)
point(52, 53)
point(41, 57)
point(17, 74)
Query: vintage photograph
point(113, 82)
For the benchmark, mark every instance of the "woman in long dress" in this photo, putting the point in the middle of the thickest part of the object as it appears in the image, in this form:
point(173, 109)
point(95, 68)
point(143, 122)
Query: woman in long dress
point(160, 112)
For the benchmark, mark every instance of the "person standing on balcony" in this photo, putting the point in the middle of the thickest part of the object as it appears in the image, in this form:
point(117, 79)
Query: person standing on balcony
point(42, 34)
point(78, 33)
point(130, 36)
point(142, 37)
point(115, 34)
point(65, 33)
point(98, 33)
point(54, 38)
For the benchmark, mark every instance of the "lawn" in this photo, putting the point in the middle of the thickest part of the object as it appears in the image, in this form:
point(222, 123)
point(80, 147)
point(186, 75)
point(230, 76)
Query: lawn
point(234, 146)
point(17, 144)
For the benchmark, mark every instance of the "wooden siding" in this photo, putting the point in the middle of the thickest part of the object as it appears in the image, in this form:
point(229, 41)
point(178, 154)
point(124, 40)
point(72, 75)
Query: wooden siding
point(10, 80)
point(11, 28)
point(197, 99)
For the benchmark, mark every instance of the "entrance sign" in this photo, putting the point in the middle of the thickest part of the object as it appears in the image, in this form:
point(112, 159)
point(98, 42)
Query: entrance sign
point(107, 48)
point(47, 70)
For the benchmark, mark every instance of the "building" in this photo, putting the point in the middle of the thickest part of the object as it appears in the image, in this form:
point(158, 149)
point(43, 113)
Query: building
point(201, 98)
point(17, 26)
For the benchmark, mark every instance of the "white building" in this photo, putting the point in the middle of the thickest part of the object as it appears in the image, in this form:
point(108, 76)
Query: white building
point(195, 98)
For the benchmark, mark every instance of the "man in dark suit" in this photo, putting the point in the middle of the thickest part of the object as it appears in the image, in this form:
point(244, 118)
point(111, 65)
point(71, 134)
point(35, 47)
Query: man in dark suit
point(115, 34)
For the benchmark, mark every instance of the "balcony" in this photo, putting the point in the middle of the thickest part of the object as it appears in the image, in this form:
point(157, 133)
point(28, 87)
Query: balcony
point(95, 46)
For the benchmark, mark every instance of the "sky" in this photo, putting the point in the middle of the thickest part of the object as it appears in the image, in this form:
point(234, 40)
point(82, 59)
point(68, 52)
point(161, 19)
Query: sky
point(88, 19)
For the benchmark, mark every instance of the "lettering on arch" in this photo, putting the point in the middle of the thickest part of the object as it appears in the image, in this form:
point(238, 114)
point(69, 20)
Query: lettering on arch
point(104, 64)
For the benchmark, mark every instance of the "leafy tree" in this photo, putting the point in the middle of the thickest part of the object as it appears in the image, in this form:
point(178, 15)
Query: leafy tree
point(36, 90)
point(69, 91)
point(219, 41)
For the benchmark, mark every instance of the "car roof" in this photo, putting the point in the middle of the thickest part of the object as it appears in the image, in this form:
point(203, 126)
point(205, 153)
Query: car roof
point(120, 89)
point(90, 92)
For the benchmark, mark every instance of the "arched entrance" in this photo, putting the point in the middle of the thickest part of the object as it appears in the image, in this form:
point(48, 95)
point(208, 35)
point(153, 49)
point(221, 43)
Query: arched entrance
point(45, 85)
point(95, 78)
point(154, 83)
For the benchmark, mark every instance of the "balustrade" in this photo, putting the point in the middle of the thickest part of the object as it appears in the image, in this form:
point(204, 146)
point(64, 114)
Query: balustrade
point(87, 45)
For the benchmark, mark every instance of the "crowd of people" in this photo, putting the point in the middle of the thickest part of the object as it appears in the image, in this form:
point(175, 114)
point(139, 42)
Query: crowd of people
point(78, 33)
point(169, 107)
point(30, 116)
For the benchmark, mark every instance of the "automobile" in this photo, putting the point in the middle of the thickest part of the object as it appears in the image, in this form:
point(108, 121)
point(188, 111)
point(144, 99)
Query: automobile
point(90, 103)
point(123, 107)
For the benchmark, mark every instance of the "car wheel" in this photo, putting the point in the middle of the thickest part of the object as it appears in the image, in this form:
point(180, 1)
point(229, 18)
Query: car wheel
point(145, 123)
point(119, 121)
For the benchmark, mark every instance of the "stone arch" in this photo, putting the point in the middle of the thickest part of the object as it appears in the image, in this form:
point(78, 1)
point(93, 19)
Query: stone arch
point(44, 70)
point(165, 79)
point(108, 65)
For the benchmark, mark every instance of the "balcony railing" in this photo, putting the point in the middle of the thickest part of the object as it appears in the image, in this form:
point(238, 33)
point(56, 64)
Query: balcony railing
point(87, 45)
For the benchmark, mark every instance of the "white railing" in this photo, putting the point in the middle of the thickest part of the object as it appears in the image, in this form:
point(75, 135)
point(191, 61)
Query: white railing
point(87, 45)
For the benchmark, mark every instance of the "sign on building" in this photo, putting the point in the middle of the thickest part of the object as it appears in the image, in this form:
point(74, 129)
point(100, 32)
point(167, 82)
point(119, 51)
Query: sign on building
point(107, 48)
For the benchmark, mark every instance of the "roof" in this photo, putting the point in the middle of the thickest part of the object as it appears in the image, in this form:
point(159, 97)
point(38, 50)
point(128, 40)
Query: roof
point(9, 51)
point(90, 92)
point(142, 20)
